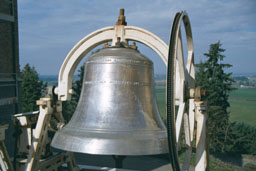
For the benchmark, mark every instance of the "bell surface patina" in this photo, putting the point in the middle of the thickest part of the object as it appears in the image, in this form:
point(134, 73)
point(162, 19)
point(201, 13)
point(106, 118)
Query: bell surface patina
point(117, 112)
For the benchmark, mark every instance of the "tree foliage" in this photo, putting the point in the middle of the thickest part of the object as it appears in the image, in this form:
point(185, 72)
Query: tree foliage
point(32, 88)
point(241, 139)
point(211, 77)
point(78, 84)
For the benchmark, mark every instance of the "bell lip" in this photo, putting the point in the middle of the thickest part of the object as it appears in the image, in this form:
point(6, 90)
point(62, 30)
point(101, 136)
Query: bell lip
point(111, 146)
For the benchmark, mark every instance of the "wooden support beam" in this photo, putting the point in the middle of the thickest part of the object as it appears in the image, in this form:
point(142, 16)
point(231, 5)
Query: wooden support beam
point(201, 147)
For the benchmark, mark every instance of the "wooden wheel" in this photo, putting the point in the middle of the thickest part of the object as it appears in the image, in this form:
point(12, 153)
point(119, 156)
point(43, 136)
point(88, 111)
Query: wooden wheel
point(180, 78)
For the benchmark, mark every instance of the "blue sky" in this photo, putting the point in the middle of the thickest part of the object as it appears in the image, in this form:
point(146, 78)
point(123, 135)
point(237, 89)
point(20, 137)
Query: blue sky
point(49, 29)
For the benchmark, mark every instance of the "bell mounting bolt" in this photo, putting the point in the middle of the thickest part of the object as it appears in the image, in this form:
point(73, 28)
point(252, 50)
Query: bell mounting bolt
point(118, 42)
point(121, 18)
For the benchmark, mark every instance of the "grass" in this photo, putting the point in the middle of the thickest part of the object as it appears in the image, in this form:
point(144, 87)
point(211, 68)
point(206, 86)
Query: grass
point(215, 164)
point(218, 165)
point(161, 98)
point(242, 104)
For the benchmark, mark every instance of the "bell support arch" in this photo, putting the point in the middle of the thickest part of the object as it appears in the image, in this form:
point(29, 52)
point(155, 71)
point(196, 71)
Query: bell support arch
point(98, 37)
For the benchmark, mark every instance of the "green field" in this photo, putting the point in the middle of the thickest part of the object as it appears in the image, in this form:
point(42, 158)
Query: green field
point(160, 96)
point(242, 104)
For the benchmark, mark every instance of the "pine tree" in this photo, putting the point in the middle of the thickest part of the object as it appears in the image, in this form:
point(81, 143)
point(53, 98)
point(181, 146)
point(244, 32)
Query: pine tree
point(212, 78)
point(79, 84)
point(32, 89)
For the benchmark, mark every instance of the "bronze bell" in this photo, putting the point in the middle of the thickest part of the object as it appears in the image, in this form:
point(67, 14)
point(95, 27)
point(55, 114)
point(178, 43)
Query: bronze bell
point(117, 112)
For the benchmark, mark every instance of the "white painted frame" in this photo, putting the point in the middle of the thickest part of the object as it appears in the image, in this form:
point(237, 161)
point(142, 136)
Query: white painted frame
point(107, 34)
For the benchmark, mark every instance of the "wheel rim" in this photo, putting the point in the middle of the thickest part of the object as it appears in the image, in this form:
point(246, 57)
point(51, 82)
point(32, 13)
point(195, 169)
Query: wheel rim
point(180, 79)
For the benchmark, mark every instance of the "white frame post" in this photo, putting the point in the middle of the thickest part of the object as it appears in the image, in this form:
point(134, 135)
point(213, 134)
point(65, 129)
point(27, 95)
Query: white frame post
point(201, 136)
point(40, 134)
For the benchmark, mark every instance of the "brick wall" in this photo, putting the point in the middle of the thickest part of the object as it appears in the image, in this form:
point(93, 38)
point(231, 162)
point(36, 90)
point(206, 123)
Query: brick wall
point(9, 52)
point(9, 68)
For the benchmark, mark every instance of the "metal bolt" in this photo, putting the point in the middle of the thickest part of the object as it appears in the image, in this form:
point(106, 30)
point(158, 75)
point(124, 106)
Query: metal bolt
point(133, 46)
point(118, 42)
point(200, 94)
point(121, 18)
point(106, 45)
point(121, 11)
point(71, 91)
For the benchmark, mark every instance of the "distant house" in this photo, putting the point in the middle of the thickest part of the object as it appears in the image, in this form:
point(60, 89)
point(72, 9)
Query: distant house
point(244, 86)
point(9, 67)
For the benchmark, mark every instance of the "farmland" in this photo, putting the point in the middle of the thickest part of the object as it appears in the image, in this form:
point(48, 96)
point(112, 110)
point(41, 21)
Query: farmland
point(242, 104)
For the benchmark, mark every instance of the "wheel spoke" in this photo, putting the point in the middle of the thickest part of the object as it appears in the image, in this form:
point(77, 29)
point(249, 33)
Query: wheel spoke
point(187, 158)
point(191, 118)
point(187, 129)
point(179, 120)
point(190, 69)
point(180, 57)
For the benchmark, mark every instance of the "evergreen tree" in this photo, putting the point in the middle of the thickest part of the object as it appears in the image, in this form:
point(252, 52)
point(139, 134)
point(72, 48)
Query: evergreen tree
point(212, 78)
point(32, 89)
point(79, 84)
point(241, 139)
